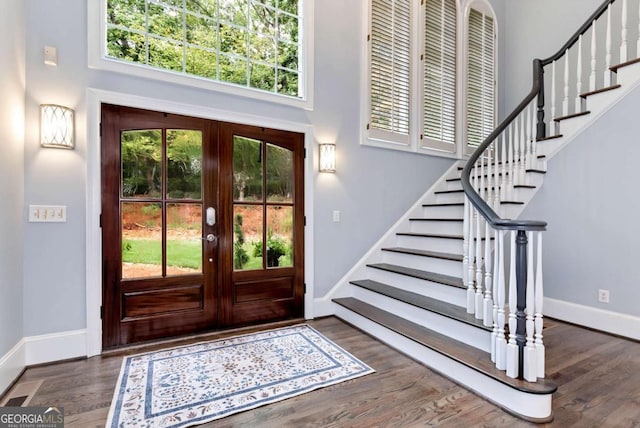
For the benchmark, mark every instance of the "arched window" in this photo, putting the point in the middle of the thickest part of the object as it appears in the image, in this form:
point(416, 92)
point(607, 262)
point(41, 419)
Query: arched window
point(430, 75)
point(480, 74)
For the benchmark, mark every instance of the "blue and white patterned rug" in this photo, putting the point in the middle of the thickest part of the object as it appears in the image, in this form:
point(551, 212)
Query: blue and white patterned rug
point(194, 384)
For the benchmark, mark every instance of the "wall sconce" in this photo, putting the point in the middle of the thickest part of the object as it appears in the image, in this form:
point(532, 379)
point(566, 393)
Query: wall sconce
point(56, 126)
point(327, 158)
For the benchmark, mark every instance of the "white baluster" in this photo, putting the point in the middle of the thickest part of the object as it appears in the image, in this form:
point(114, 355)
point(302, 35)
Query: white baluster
point(516, 152)
point(529, 142)
point(471, 289)
point(530, 366)
point(502, 178)
point(534, 140)
point(501, 341)
point(638, 42)
point(522, 178)
point(594, 40)
point(511, 164)
point(487, 309)
point(477, 302)
point(579, 77)
point(565, 99)
point(465, 242)
point(624, 23)
point(487, 302)
point(496, 279)
point(512, 347)
point(553, 98)
point(607, 64)
point(504, 168)
point(539, 297)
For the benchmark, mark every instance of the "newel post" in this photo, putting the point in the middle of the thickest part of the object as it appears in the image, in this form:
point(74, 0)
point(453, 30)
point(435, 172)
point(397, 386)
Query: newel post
point(538, 73)
point(521, 281)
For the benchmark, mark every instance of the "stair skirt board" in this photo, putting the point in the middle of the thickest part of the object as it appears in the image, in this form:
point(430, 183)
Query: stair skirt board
point(453, 295)
point(529, 406)
point(471, 335)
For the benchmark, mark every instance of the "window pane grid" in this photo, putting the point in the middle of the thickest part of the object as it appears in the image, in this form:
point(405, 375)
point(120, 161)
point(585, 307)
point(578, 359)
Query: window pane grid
point(222, 40)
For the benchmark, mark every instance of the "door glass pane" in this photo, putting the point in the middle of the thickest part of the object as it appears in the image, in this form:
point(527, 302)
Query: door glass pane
point(184, 164)
point(247, 169)
point(279, 174)
point(247, 237)
point(141, 157)
point(184, 239)
point(141, 239)
point(279, 236)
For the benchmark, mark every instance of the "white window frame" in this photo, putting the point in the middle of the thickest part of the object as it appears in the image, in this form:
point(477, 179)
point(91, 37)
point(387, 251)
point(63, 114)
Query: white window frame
point(97, 59)
point(486, 9)
point(413, 143)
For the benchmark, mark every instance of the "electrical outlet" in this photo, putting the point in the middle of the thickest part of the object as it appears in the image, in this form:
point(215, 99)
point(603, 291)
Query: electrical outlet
point(603, 296)
point(336, 216)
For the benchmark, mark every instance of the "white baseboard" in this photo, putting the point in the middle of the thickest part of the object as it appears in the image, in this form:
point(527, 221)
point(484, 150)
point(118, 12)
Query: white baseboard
point(598, 319)
point(11, 365)
point(55, 346)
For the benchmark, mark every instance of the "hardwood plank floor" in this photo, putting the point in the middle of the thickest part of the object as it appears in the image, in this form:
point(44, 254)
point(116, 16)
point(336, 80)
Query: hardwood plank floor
point(598, 378)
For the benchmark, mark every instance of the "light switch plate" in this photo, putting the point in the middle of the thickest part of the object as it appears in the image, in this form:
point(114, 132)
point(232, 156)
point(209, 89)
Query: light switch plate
point(47, 213)
point(50, 55)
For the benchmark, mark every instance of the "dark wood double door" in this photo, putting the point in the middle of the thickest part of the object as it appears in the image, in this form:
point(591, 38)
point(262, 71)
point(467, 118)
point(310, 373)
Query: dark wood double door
point(202, 225)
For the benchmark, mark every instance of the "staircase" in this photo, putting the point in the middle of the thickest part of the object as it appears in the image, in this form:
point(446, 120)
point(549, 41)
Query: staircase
point(438, 286)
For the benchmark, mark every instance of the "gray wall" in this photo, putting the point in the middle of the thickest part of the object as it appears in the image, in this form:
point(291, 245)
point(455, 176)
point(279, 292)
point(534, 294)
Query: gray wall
point(12, 82)
point(372, 188)
point(590, 200)
point(525, 39)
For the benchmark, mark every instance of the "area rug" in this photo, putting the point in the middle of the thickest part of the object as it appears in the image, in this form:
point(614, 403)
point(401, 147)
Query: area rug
point(194, 384)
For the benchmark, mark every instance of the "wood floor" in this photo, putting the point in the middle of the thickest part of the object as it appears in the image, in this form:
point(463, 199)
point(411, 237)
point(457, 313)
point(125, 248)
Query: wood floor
point(598, 378)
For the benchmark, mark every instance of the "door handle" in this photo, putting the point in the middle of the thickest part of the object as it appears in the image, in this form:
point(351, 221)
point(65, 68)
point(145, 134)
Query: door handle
point(211, 216)
point(210, 237)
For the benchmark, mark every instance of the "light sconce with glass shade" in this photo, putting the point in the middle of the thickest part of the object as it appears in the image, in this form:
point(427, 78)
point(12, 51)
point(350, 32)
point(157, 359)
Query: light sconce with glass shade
point(327, 158)
point(56, 126)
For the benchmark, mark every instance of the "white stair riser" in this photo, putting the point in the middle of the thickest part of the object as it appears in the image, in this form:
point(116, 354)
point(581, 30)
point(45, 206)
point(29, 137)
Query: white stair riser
point(454, 185)
point(628, 75)
point(569, 126)
point(445, 198)
point(446, 227)
point(534, 406)
point(446, 293)
point(443, 211)
point(598, 102)
point(431, 264)
point(453, 246)
point(457, 330)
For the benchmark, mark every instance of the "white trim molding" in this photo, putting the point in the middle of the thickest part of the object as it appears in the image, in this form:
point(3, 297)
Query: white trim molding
point(95, 97)
point(96, 13)
point(11, 365)
point(46, 348)
point(596, 318)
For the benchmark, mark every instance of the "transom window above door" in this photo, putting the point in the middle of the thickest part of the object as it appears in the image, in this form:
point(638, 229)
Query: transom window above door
point(258, 45)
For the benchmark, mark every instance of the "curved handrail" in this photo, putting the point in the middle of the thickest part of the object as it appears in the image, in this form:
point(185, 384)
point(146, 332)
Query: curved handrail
point(538, 72)
point(487, 212)
point(576, 36)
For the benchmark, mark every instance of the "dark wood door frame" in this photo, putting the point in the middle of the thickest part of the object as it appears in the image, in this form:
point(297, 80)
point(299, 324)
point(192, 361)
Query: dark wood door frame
point(226, 314)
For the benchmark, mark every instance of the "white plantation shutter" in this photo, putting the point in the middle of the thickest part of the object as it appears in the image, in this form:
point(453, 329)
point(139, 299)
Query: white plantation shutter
point(439, 101)
point(480, 78)
point(390, 78)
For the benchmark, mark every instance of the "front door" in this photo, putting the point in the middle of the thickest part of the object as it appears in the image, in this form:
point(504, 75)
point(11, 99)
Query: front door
point(159, 181)
point(202, 225)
